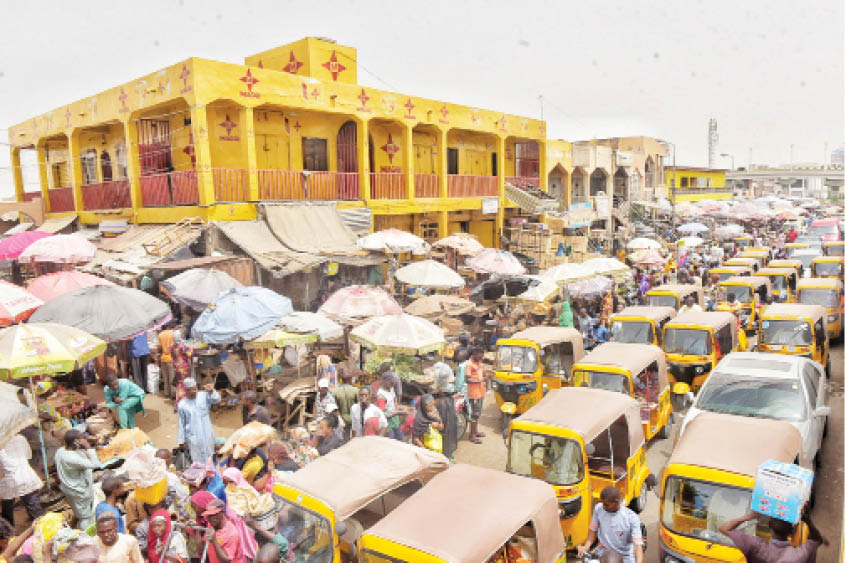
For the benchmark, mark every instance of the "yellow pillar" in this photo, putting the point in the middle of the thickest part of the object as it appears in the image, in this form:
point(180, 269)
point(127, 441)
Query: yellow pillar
point(250, 154)
point(544, 178)
point(74, 157)
point(202, 154)
point(133, 165)
point(408, 158)
point(500, 178)
point(42, 176)
point(443, 169)
point(363, 142)
point(17, 173)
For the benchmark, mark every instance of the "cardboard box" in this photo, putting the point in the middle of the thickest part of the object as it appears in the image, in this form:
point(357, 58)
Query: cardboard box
point(781, 489)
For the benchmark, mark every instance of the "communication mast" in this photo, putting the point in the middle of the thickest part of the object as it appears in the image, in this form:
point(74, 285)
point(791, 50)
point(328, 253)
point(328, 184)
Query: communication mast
point(712, 142)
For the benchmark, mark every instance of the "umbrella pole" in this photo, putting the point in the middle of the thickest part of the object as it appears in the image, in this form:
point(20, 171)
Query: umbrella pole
point(40, 434)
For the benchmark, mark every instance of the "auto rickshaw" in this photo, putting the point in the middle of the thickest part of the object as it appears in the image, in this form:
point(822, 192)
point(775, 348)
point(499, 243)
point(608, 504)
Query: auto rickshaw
point(673, 295)
point(826, 292)
point(727, 272)
point(762, 253)
point(827, 267)
point(330, 502)
point(709, 479)
point(640, 325)
point(797, 265)
point(636, 370)
point(422, 530)
point(695, 343)
point(743, 241)
point(750, 294)
point(755, 263)
point(531, 362)
point(833, 248)
point(581, 440)
point(784, 282)
point(791, 247)
point(796, 329)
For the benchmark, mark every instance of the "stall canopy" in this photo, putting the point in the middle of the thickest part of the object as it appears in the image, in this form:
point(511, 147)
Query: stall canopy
point(198, 287)
point(256, 239)
point(314, 229)
point(242, 313)
point(430, 274)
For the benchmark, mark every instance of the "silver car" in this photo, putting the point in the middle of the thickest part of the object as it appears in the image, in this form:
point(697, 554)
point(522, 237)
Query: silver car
point(762, 385)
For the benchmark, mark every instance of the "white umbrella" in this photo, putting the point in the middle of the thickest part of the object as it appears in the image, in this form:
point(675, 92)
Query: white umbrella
point(198, 287)
point(604, 265)
point(565, 273)
point(462, 243)
point(643, 243)
point(729, 231)
point(592, 287)
point(693, 228)
point(399, 334)
point(393, 241)
point(494, 261)
point(540, 293)
point(690, 241)
point(305, 322)
point(430, 274)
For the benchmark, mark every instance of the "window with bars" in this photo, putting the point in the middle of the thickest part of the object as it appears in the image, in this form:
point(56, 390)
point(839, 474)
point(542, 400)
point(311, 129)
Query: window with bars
point(89, 167)
point(315, 154)
point(527, 159)
point(429, 232)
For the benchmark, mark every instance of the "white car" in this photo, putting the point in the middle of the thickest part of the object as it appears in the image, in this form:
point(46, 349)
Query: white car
point(762, 385)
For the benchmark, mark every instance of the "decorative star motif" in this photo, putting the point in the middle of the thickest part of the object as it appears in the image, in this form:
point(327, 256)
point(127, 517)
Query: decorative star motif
point(293, 65)
point(363, 97)
point(389, 103)
point(249, 80)
point(409, 105)
point(390, 147)
point(260, 63)
point(228, 125)
point(315, 93)
point(185, 74)
point(444, 111)
point(297, 126)
point(503, 123)
point(333, 66)
point(67, 117)
point(189, 148)
point(305, 90)
point(123, 97)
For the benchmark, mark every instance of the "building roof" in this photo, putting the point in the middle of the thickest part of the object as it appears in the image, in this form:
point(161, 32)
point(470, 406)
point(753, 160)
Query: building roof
point(682, 168)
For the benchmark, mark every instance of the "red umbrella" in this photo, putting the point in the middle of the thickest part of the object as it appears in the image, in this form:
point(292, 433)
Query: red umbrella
point(11, 247)
point(50, 286)
point(16, 303)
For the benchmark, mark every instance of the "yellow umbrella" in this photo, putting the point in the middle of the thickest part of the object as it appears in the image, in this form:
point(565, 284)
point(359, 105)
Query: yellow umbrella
point(277, 338)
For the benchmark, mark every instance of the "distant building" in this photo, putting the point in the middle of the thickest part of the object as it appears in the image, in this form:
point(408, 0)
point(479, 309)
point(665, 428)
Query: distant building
point(837, 156)
point(691, 183)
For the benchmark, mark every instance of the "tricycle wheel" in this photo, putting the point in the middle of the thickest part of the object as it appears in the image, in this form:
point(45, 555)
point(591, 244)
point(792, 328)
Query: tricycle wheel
point(506, 424)
point(666, 431)
point(638, 504)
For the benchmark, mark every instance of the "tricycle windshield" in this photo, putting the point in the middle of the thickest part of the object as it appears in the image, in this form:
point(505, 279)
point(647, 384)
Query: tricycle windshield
point(309, 534)
point(786, 333)
point(617, 382)
point(692, 341)
point(654, 300)
point(632, 332)
point(696, 509)
point(778, 282)
point(553, 459)
point(828, 268)
point(517, 359)
point(821, 296)
point(743, 293)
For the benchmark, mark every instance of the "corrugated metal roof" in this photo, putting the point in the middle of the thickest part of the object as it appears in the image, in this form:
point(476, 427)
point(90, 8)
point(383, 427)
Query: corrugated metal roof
point(19, 228)
point(158, 240)
point(56, 224)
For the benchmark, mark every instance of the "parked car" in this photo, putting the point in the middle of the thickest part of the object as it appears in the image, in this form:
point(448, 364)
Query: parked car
point(762, 385)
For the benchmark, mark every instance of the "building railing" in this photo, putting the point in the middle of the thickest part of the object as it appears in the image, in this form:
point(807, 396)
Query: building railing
point(520, 180)
point(299, 185)
point(61, 199)
point(473, 186)
point(230, 184)
point(388, 185)
point(29, 196)
point(426, 185)
point(702, 190)
point(106, 195)
point(172, 188)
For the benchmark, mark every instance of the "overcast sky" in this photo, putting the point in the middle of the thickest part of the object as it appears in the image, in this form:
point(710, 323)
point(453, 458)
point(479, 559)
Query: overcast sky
point(770, 72)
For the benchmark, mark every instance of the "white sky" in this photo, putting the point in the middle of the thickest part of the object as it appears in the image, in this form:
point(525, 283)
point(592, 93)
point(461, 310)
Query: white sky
point(770, 71)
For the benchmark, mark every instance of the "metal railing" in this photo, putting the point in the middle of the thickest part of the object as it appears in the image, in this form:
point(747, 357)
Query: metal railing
point(461, 185)
point(520, 180)
point(106, 195)
point(230, 184)
point(298, 185)
point(426, 185)
point(388, 185)
point(61, 199)
point(171, 188)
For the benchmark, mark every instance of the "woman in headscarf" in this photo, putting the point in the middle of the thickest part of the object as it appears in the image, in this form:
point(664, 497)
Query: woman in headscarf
point(159, 531)
point(204, 477)
point(566, 317)
point(426, 417)
point(200, 501)
point(325, 370)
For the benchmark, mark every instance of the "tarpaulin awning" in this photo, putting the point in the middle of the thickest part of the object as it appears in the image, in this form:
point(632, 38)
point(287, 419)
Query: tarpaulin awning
point(56, 224)
point(256, 239)
point(316, 229)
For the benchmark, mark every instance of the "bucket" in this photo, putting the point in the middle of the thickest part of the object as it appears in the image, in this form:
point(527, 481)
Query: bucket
point(153, 494)
point(153, 378)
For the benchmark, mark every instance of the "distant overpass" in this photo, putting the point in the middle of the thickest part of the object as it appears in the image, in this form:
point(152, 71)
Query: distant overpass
point(830, 175)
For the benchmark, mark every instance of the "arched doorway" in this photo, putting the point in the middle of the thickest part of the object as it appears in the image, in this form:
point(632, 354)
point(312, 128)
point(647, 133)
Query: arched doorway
point(598, 182)
point(558, 180)
point(620, 185)
point(649, 172)
point(579, 185)
point(105, 166)
point(347, 160)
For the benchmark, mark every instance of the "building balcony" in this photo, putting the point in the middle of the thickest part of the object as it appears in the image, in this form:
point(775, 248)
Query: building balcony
point(702, 190)
point(29, 196)
point(426, 185)
point(473, 186)
point(61, 199)
point(106, 195)
point(388, 185)
point(308, 185)
point(230, 185)
point(172, 188)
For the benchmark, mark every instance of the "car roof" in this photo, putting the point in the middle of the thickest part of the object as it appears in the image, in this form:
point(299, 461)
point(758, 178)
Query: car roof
point(770, 365)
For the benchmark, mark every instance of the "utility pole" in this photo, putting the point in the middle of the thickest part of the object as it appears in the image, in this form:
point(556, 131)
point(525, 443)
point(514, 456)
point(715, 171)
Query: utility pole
point(540, 97)
point(791, 157)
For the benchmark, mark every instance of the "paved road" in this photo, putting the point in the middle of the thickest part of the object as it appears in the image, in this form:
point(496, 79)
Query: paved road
point(828, 510)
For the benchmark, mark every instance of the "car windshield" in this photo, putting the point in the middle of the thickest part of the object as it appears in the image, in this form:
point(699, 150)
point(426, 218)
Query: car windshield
point(821, 230)
point(615, 382)
point(517, 359)
point(697, 508)
point(556, 460)
point(692, 341)
point(823, 297)
point(308, 534)
point(632, 332)
point(730, 393)
point(653, 300)
point(742, 293)
point(828, 268)
point(786, 333)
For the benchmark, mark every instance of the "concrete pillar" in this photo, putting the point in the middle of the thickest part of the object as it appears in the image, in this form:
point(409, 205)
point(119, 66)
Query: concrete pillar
point(202, 154)
point(408, 158)
point(443, 176)
point(250, 154)
point(133, 164)
point(363, 129)
point(500, 178)
point(74, 158)
point(17, 173)
point(544, 177)
point(43, 177)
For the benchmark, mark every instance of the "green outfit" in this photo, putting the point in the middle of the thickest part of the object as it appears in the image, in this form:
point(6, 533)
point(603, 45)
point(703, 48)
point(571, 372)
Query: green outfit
point(133, 402)
point(345, 395)
point(566, 318)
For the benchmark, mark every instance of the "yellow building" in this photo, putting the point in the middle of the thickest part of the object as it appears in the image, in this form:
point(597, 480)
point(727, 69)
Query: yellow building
point(209, 139)
point(689, 183)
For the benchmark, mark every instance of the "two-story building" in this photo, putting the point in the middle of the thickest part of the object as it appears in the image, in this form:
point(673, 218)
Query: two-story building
point(691, 183)
point(213, 140)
